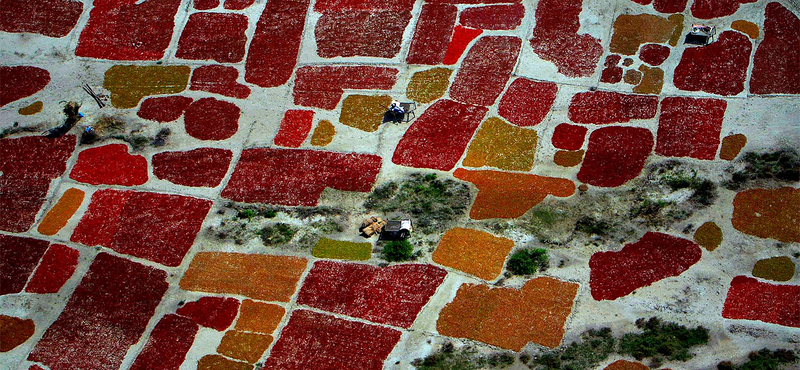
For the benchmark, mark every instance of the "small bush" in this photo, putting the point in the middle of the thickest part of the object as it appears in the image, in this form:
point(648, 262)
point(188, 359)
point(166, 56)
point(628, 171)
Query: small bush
point(527, 261)
point(279, 233)
point(590, 225)
point(593, 347)
point(398, 250)
point(768, 360)
point(246, 213)
point(780, 165)
point(270, 213)
point(465, 358)
point(662, 340)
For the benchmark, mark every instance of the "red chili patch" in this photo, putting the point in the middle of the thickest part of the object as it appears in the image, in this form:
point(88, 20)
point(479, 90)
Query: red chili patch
point(776, 64)
point(110, 165)
point(157, 227)
point(164, 109)
point(462, 36)
point(707, 9)
point(654, 257)
point(611, 75)
point(54, 18)
point(556, 38)
point(615, 155)
point(323, 86)
point(473, 2)
point(318, 341)
point(216, 313)
point(438, 138)
point(276, 43)
point(569, 137)
point(361, 33)
point(603, 107)
point(216, 36)
point(295, 126)
point(57, 266)
point(670, 6)
point(493, 17)
point(718, 68)
point(128, 29)
point(323, 6)
point(18, 258)
point(168, 344)
point(219, 80)
point(486, 69)
point(527, 102)
point(19, 82)
point(205, 4)
point(393, 295)
point(238, 4)
point(750, 299)
point(28, 165)
point(654, 54)
point(689, 127)
point(202, 167)
point(295, 177)
point(212, 119)
point(106, 315)
point(432, 35)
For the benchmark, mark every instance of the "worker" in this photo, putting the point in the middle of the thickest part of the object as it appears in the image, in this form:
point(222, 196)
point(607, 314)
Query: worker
point(397, 111)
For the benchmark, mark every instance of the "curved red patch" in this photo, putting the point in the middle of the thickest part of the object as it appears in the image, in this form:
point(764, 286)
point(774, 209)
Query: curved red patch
point(19, 82)
point(164, 109)
point(569, 137)
point(216, 36)
point(493, 17)
point(219, 80)
point(203, 167)
point(689, 127)
point(615, 155)
point(216, 313)
point(205, 4)
point(212, 119)
point(750, 299)
point(295, 126)
point(654, 54)
point(54, 18)
point(556, 38)
point(718, 68)
point(527, 102)
point(110, 165)
point(485, 70)
point(602, 107)
point(776, 64)
point(462, 36)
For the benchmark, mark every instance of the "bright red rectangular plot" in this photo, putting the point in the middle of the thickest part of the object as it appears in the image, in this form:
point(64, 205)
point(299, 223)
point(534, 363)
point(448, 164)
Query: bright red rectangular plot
point(485, 70)
point(750, 299)
point(432, 35)
point(689, 127)
point(57, 266)
point(18, 258)
point(323, 86)
point(169, 342)
point(273, 52)
point(295, 126)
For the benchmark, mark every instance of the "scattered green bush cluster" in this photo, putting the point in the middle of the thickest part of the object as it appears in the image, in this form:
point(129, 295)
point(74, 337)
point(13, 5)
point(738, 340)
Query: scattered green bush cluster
point(279, 233)
point(398, 251)
point(594, 346)
point(781, 165)
point(764, 359)
point(590, 225)
point(465, 358)
point(433, 203)
point(527, 261)
point(705, 191)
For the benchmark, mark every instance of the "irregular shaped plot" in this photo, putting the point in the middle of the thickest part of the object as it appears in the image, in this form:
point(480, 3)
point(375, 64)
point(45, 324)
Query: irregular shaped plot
point(244, 346)
point(603, 107)
point(273, 52)
point(129, 84)
point(474, 252)
point(556, 39)
point(323, 6)
point(343, 250)
point(776, 64)
point(427, 86)
point(704, 69)
point(651, 82)
point(57, 217)
point(731, 146)
point(168, 344)
point(53, 18)
point(569, 137)
point(110, 165)
point(462, 36)
point(259, 317)
point(57, 266)
point(627, 365)
point(164, 109)
point(32, 109)
point(768, 213)
point(749, 28)
point(212, 119)
point(361, 33)
point(566, 158)
point(493, 17)
point(689, 127)
point(432, 34)
point(707, 9)
point(28, 164)
point(654, 257)
point(611, 75)
point(19, 258)
point(364, 112)
point(107, 313)
point(157, 227)
point(323, 134)
point(775, 269)
point(215, 36)
point(633, 77)
point(14, 331)
point(318, 341)
point(217, 362)
point(708, 235)
point(500, 145)
point(323, 86)
point(750, 299)
point(19, 82)
point(438, 138)
point(634, 30)
point(262, 277)
point(295, 126)
point(670, 6)
point(128, 29)
point(615, 155)
point(510, 195)
point(202, 167)
point(391, 295)
point(510, 318)
point(485, 70)
point(219, 80)
point(238, 4)
point(298, 177)
point(527, 102)
point(216, 313)
point(654, 54)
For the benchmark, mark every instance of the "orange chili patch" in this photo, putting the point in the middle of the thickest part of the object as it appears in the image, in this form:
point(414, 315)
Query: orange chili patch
point(626, 365)
point(566, 158)
point(244, 346)
point(708, 235)
point(61, 213)
point(259, 317)
point(768, 213)
point(731, 146)
point(217, 362)
point(474, 252)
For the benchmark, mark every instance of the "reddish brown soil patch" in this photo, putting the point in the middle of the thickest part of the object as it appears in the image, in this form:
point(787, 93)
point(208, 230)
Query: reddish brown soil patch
point(219, 80)
point(273, 52)
point(54, 18)
point(632, 77)
point(429, 85)
point(527, 102)
point(629, 365)
point(689, 127)
point(205, 4)
point(216, 313)
point(361, 33)
point(323, 134)
point(750, 299)
point(31, 109)
point(364, 112)
point(654, 257)
point(566, 158)
point(718, 68)
point(157, 227)
point(493, 17)
point(322, 86)
point(212, 119)
point(768, 213)
point(501, 145)
point(569, 137)
point(462, 36)
point(432, 34)
point(295, 126)
point(167, 345)
point(259, 317)
point(19, 82)
point(654, 54)
point(749, 28)
point(57, 266)
point(107, 313)
point(731, 146)
point(438, 138)
point(14, 331)
point(707, 9)
point(28, 165)
point(216, 36)
point(390, 295)
point(18, 258)
point(708, 235)
point(615, 155)
point(57, 217)
point(244, 346)
point(202, 167)
point(775, 269)
point(318, 341)
point(110, 165)
point(651, 82)
point(474, 252)
point(633, 30)
point(776, 64)
point(510, 318)
point(556, 38)
point(128, 29)
point(130, 83)
point(164, 109)
point(238, 4)
point(602, 107)
point(217, 362)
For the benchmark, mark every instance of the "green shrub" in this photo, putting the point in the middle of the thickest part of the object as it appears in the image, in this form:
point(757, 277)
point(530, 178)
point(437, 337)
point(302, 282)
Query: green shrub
point(527, 261)
point(465, 358)
point(590, 225)
point(246, 213)
point(768, 360)
point(781, 165)
point(398, 250)
point(593, 347)
point(662, 340)
point(279, 233)
point(270, 213)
